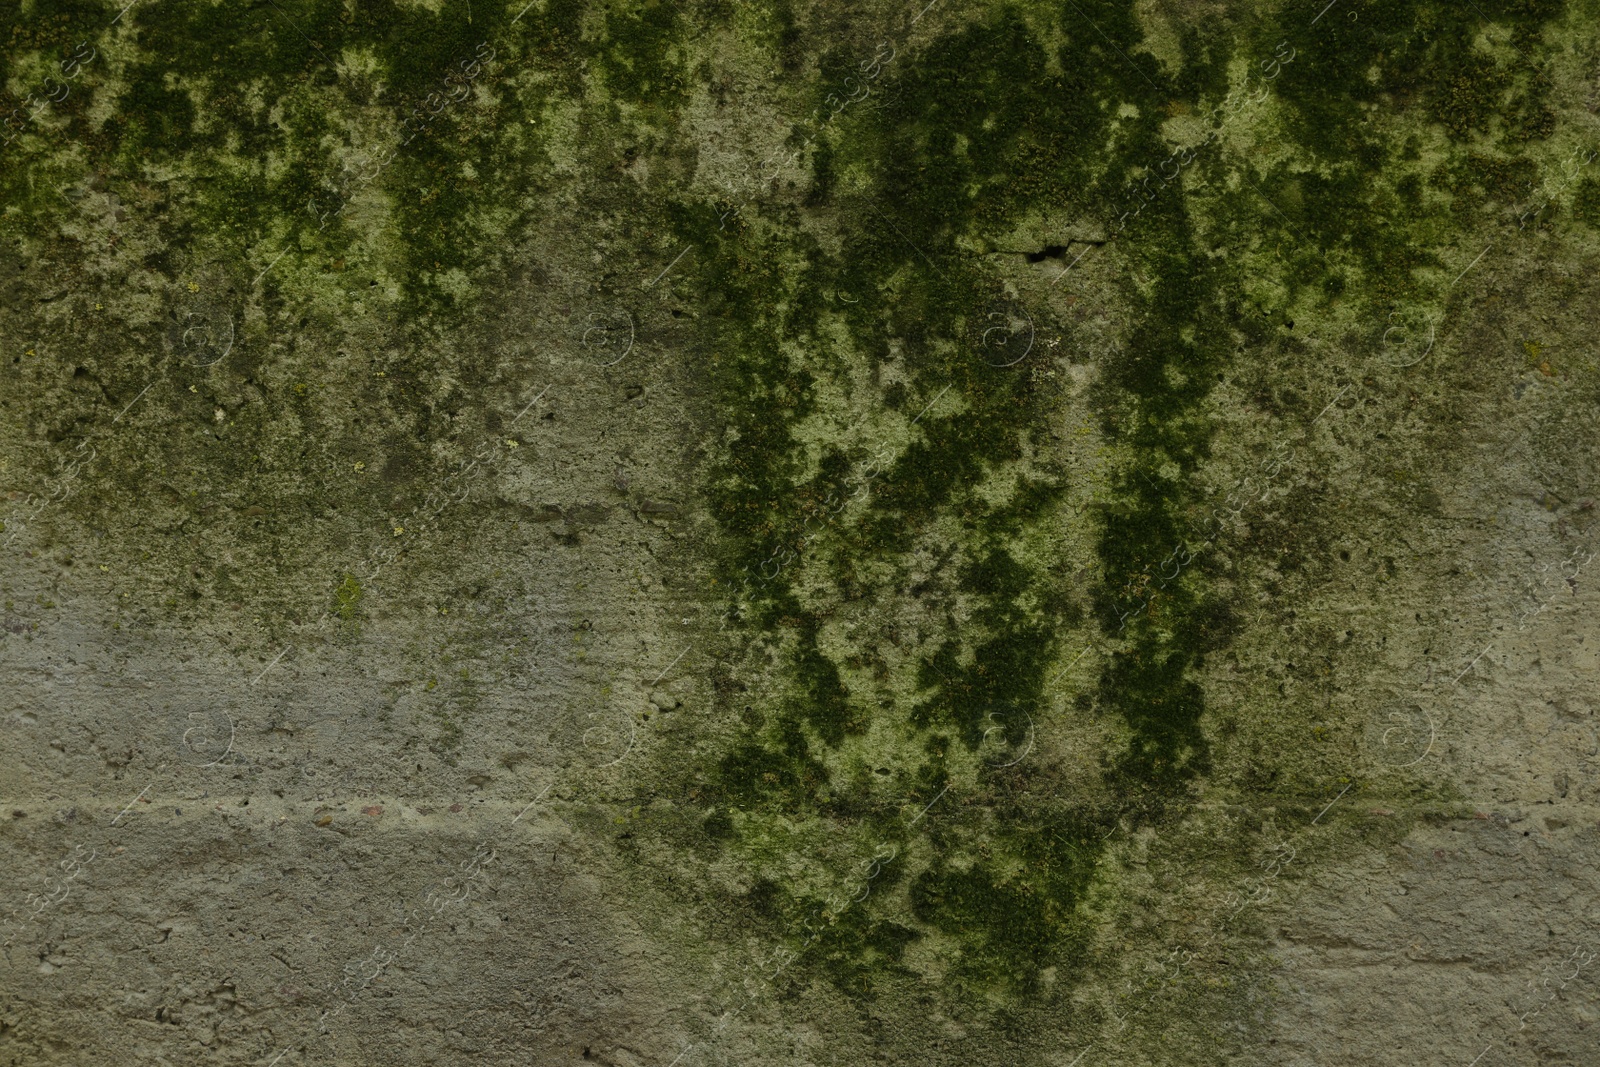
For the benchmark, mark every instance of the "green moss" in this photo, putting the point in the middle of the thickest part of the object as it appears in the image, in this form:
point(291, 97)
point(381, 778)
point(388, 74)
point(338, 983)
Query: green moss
point(905, 633)
point(347, 597)
point(860, 951)
point(781, 772)
point(1468, 93)
point(983, 126)
point(1586, 201)
point(54, 32)
point(158, 118)
point(1397, 54)
point(272, 93)
point(1012, 907)
point(641, 54)
point(718, 825)
point(787, 38)
point(1505, 180)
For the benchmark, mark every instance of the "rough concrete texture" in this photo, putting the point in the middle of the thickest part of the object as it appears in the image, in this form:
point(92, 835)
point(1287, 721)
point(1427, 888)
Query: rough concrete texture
point(793, 533)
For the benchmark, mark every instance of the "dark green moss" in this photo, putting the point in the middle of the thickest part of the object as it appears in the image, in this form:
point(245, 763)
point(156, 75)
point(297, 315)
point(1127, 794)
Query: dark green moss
point(1393, 56)
point(982, 126)
point(426, 58)
point(978, 129)
point(790, 38)
point(1468, 94)
point(155, 120)
point(1422, 52)
point(1014, 916)
point(718, 825)
point(859, 951)
point(778, 768)
point(54, 29)
point(1586, 201)
point(641, 55)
